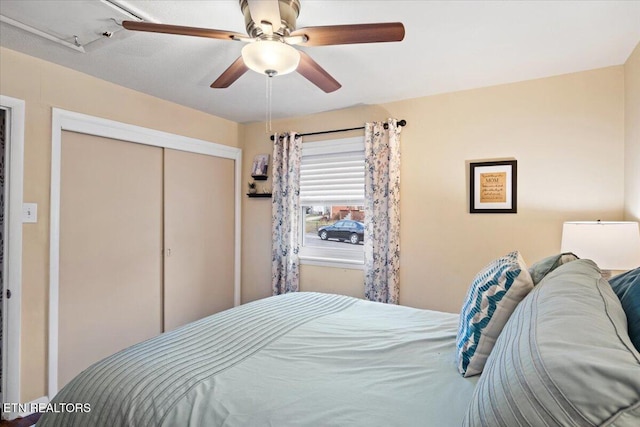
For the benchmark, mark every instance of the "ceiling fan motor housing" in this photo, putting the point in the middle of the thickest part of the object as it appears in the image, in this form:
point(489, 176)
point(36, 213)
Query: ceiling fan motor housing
point(289, 11)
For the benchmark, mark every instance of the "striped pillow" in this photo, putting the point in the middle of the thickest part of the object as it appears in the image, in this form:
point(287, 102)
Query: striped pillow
point(493, 296)
point(563, 359)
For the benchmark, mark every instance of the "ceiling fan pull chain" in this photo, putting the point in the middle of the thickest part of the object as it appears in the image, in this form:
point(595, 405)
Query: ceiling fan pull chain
point(269, 93)
point(270, 80)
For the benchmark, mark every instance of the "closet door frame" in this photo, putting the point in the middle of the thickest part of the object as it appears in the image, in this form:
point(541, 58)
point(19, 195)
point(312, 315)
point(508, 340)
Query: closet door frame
point(63, 120)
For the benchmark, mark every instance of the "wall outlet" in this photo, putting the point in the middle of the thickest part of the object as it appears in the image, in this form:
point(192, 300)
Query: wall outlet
point(29, 212)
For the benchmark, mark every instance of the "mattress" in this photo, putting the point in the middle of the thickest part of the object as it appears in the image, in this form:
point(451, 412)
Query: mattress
point(300, 359)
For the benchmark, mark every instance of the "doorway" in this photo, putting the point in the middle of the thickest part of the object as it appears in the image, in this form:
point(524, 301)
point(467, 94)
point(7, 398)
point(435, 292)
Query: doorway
point(3, 141)
point(11, 167)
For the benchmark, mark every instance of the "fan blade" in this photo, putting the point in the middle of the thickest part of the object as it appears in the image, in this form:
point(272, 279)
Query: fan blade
point(180, 30)
point(231, 74)
point(350, 34)
point(317, 75)
point(265, 10)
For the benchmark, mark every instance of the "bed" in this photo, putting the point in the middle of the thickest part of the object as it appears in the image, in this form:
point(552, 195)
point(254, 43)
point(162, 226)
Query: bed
point(311, 359)
point(297, 359)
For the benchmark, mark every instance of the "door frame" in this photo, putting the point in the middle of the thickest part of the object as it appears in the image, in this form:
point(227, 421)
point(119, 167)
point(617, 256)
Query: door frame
point(63, 120)
point(13, 255)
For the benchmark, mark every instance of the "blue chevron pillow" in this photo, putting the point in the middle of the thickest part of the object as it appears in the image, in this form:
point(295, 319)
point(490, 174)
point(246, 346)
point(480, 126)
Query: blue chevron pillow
point(492, 297)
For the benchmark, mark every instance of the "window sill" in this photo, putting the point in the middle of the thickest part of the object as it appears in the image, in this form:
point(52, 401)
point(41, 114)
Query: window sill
point(331, 262)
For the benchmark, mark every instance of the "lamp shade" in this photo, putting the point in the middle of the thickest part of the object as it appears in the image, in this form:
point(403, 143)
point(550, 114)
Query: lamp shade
point(270, 57)
point(611, 245)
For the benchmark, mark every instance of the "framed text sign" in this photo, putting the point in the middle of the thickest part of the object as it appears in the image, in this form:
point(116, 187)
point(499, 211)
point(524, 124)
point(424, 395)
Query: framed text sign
point(493, 187)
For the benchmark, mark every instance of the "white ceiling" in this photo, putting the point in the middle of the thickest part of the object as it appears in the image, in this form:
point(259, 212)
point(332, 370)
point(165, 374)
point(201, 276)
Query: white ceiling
point(449, 46)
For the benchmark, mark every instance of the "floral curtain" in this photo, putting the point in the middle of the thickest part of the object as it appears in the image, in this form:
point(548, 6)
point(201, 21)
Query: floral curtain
point(287, 154)
point(382, 211)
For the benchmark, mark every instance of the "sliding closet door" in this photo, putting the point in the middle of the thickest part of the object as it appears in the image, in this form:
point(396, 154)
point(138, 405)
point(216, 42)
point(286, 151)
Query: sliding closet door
point(199, 236)
point(110, 248)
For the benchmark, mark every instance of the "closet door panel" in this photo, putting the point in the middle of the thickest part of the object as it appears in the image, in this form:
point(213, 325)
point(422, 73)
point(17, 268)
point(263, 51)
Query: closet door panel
point(199, 236)
point(110, 248)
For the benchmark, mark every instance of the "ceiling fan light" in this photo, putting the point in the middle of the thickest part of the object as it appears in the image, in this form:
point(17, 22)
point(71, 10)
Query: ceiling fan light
point(270, 57)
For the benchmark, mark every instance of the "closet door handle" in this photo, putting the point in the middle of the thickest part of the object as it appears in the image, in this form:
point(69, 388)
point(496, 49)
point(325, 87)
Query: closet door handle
point(168, 252)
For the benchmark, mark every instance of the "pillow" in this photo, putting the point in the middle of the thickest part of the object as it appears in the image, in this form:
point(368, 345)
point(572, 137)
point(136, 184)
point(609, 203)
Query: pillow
point(493, 295)
point(627, 287)
point(563, 359)
point(548, 264)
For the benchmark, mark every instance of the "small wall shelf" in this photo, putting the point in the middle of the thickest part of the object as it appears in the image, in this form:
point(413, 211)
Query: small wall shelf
point(259, 194)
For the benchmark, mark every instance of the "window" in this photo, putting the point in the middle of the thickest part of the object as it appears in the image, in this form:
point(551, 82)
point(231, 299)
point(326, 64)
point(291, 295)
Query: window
point(332, 203)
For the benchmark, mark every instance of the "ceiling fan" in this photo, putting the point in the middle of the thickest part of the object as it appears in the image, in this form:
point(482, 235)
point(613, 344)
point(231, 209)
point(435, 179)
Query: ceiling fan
point(271, 35)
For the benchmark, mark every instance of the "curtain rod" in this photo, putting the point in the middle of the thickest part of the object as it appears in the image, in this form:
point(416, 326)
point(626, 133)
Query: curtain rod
point(386, 126)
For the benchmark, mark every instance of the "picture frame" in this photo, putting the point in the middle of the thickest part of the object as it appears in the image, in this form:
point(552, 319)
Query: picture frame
point(493, 187)
point(260, 167)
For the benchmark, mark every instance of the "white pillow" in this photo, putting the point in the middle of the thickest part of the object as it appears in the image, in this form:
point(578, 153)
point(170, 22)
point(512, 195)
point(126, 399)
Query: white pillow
point(493, 296)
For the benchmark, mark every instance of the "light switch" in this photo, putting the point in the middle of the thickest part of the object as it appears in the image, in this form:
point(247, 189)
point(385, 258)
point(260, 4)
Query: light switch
point(29, 212)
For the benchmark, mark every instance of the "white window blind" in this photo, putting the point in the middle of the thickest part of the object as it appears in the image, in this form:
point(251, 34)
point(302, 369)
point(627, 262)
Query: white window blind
point(332, 172)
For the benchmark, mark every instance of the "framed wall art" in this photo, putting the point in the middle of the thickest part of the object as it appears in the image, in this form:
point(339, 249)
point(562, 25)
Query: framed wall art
point(260, 167)
point(493, 187)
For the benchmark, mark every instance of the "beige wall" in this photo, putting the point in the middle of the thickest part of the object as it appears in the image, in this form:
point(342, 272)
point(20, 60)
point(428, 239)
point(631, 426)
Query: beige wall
point(44, 85)
point(632, 135)
point(566, 132)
